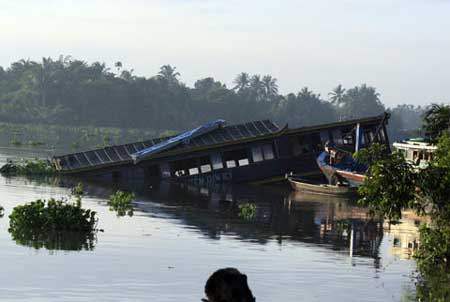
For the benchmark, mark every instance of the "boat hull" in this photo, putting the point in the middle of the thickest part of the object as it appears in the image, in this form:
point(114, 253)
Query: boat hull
point(322, 189)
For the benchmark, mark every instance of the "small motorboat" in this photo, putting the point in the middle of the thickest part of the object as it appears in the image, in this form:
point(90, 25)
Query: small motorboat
point(303, 185)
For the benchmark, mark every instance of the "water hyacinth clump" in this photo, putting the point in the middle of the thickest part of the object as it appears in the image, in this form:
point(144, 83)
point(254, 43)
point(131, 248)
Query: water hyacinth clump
point(52, 215)
point(27, 167)
point(54, 224)
point(120, 202)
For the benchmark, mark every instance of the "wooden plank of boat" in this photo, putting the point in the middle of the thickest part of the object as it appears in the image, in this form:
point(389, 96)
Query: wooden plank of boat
point(301, 185)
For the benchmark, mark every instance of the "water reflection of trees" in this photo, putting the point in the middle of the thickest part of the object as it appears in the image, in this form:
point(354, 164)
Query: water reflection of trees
point(67, 241)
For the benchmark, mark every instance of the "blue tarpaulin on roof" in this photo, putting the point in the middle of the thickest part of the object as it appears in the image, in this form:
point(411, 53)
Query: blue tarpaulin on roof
point(179, 139)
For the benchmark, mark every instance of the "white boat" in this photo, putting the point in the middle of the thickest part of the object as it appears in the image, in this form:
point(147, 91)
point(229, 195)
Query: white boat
point(417, 151)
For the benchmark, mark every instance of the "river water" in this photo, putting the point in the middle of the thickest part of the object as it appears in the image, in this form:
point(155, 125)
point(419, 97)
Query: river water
point(294, 248)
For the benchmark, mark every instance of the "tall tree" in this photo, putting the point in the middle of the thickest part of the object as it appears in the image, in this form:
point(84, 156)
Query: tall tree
point(270, 87)
point(337, 98)
point(242, 82)
point(256, 87)
point(169, 74)
point(436, 120)
point(361, 101)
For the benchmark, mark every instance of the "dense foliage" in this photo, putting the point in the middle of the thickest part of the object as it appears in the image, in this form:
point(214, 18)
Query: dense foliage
point(27, 167)
point(71, 92)
point(392, 186)
point(120, 202)
point(54, 224)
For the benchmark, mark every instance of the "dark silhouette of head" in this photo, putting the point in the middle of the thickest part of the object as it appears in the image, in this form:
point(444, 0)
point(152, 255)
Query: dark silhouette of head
point(228, 285)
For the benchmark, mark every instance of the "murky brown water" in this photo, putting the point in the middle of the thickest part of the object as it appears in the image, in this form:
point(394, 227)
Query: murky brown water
point(295, 248)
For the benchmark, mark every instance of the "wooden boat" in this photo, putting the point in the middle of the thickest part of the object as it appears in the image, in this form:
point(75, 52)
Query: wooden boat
point(344, 173)
point(299, 184)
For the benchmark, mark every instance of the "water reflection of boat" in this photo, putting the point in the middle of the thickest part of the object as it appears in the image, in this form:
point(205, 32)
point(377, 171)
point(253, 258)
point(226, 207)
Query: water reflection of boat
point(405, 235)
point(303, 185)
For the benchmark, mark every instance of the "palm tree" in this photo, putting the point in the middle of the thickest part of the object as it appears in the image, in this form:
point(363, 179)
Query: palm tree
point(242, 82)
point(337, 98)
point(168, 73)
point(305, 93)
point(270, 87)
point(118, 65)
point(43, 77)
point(436, 120)
point(257, 87)
point(337, 95)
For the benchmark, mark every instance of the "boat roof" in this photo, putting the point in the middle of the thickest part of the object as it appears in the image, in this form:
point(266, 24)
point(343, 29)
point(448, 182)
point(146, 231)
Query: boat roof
point(123, 153)
point(376, 120)
point(415, 144)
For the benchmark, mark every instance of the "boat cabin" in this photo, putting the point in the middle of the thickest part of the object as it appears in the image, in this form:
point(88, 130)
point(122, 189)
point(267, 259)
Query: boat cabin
point(417, 151)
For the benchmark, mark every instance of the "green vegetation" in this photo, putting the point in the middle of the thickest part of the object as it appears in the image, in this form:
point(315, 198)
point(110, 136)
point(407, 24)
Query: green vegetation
point(120, 202)
point(71, 92)
point(393, 185)
point(2, 211)
point(27, 167)
point(247, 211)
point(54, 224)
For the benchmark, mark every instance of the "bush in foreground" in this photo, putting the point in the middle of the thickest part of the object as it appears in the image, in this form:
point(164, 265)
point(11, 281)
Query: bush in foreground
point(54, 224)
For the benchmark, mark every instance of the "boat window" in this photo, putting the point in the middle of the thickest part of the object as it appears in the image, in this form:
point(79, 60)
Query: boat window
point(324, 136)
point(268, 152)
point(165, 170)
point(216, 161)
point(371, 136)
point(193, 171)
point(205, 168)
point(230, 163)
point(181, 167)
point(337, 136)
point(382, 136)
point(300, 144)
point(152, 171)
point(348, 140)
point(234, 157)
point(179, 173)
point(257, 154)
point(243, 162)
point(205, 164)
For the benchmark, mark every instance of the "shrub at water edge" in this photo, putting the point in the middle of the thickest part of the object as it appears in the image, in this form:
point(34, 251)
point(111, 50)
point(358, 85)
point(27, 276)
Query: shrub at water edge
point(27, 167)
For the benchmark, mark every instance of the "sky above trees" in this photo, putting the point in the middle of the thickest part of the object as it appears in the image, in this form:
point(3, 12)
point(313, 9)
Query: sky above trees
point(399, 46)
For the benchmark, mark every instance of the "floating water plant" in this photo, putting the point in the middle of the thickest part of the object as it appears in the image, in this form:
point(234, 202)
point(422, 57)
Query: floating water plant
point(247, 211)
point(120, 202)
point(27, 167)
point(54, 224)
point(32, 143)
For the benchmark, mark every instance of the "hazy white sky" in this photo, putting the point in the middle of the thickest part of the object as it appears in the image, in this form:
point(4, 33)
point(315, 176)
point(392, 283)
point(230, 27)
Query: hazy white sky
point(402, 47)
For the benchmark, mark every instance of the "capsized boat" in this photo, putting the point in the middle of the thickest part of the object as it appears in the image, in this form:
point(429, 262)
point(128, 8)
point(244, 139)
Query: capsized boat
point(303, 185)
